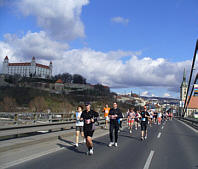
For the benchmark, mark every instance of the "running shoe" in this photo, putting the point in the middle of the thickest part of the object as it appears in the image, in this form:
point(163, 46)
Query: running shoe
point(145, 137)
point(91, 151)
point(76, 144)
point(110, 144)
point(84, 140)
point(130, 131)
point(116, 144)
point(142, 138)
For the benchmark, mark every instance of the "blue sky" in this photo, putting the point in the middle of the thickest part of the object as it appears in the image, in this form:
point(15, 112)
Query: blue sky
point(138, 45)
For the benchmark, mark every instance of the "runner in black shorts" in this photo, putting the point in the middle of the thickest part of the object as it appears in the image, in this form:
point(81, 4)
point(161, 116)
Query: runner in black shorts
point(144, 121)
point(114, 115)
point(89, 117)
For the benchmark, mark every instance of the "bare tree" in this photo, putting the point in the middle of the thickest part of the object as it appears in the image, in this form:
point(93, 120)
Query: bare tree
point(9, 104)
point(38, 104)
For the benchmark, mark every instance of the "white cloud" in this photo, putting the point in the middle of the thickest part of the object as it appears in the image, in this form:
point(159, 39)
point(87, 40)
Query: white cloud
point(35, 44)
point(59, 18)
point(167, 95)
point(98, 67)
point(145, 93)
point(121, 20)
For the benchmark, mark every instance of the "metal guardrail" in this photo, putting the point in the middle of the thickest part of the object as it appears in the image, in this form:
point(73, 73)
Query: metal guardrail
point(190, 121)
point(30, 118)
point(30, 130)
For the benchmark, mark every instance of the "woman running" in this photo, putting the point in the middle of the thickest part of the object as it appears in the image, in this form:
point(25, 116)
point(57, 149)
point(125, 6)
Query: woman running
point(79, 125)
point(131, 119)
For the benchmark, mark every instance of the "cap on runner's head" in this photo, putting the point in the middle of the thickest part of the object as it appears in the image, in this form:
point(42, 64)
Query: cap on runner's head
point(87, 103)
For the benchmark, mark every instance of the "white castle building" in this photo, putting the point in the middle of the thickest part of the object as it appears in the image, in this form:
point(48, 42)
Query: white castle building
point(28, 69)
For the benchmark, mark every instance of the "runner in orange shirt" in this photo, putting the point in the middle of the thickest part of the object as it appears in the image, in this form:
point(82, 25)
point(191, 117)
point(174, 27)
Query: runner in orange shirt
point(106, 114)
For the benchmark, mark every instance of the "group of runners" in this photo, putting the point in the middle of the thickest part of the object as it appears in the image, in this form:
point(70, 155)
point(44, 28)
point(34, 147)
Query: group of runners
point(85, 122)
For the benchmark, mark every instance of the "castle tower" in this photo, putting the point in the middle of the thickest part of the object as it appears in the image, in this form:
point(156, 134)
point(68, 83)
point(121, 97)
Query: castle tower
point(183, 88)
point(33, 67)
point(5, 65)
point(50, 66)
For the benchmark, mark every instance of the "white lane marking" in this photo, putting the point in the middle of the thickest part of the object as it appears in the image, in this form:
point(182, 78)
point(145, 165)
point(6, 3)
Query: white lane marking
point(148, 161)
point(196, 131)
point(159, 134)
point(29, 158)
point(162, 127)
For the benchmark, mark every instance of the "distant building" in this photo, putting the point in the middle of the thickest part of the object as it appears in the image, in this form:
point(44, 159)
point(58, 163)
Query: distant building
point(59, 85)
point(193, 104)
point(28, 69)
point(183, 88)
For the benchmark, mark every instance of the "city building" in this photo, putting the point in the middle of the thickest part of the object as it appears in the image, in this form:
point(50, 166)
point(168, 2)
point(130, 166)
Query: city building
point(183, 88)
point(193, 104)
point(27, 69)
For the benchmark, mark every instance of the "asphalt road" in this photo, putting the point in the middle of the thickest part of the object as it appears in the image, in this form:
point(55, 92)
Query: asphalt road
point(169, 146)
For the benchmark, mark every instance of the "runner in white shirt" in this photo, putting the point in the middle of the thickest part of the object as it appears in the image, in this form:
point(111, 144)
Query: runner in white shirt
point(79, 125)
point(137, 120)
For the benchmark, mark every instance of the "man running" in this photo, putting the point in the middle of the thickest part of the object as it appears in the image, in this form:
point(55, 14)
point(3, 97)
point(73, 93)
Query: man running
point(89, 117)
point(106, 114)
point(144, 121)
point(114, 115)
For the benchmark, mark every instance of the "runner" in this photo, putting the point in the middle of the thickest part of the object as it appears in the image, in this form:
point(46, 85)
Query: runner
point(155, 117)
point(89, 117)
point(150, 118)
point(131, 119)
point(106, 114)
point(127, 113)
point(137, 120)
point(120, 123)
point(144, 121)
point(159, 118)
point(79, 125)
point(114, 115)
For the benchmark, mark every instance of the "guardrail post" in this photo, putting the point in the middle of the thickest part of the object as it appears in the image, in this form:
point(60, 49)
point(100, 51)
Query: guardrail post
point(50, 117)
point(16, 118)
point(35, 118)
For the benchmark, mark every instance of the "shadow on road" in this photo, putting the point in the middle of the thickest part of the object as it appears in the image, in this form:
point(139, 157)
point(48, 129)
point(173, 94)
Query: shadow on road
point(132, 137)
point(72, 148)
point(99, 143)
point(66, 141)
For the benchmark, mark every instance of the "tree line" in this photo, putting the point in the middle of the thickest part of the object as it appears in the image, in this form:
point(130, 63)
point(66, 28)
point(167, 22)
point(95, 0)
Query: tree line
point(65, 77)
point(37, 104)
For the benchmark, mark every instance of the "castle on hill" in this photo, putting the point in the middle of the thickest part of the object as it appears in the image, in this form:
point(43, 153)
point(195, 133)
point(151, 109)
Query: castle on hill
point(27, 69)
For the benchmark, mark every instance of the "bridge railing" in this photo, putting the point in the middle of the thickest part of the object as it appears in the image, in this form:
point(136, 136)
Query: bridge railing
point(31, 117)
point(190, 121)
point(15, 131)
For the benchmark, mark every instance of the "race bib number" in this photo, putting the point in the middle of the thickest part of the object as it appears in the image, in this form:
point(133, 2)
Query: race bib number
point(113, 117)
point(143, 119)
point(87, 121)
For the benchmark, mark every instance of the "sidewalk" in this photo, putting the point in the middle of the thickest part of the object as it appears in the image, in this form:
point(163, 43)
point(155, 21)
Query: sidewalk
point(15, 151)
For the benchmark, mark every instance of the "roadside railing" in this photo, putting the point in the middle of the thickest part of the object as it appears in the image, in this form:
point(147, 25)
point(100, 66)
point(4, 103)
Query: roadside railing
point(16, 131)
point(190, 121)
point(29, 118)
